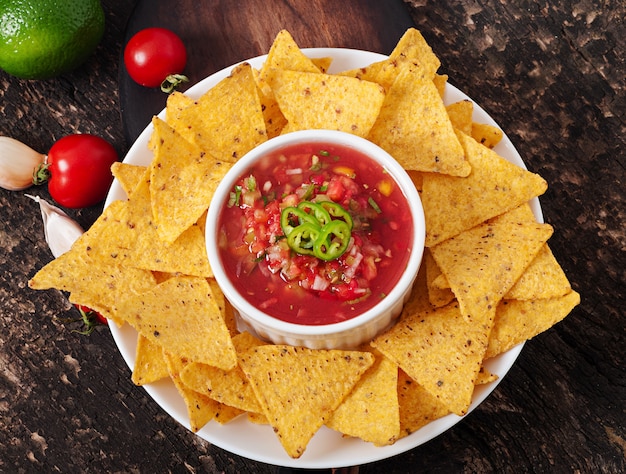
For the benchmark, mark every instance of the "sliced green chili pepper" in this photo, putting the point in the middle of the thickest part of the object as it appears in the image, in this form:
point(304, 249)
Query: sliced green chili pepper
point(292, 217)
point(332, 240)
point(302, 238)
point(320, 214)
point(337, 212)
point(311, 230)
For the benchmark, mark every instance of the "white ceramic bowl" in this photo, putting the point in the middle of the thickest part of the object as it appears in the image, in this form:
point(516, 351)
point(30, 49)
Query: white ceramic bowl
point(344, 334)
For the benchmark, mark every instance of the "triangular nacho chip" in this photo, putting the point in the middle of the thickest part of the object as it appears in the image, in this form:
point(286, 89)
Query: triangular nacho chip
point(227, 121)
point(440, 350)
point(452, 204)
point(181, 316)
point(322, 101)
point(284, 54)
point(186, 255)
point(299, 388)
point(200, 408)
point(460, 114)
point(411, 48)
point(497, 251)
point(544, 278)
point(417, 406)
point(371, 411)
point(414, 127)
point(150, 363)
point(127, 175)
point(518, 321)
point(230, 387)
point(183, 179)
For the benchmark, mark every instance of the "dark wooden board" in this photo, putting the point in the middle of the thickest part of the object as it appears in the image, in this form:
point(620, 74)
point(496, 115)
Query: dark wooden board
point(219, 33)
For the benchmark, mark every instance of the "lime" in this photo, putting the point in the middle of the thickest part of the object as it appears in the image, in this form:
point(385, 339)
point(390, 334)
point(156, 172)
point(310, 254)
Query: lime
point(40, 39)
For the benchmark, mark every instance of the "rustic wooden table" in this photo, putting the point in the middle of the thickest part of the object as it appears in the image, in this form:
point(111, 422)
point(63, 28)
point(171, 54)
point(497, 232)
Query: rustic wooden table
point(552, 74)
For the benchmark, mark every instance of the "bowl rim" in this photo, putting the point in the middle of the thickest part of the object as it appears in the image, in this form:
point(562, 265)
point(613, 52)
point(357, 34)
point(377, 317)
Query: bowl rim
point(397, 172)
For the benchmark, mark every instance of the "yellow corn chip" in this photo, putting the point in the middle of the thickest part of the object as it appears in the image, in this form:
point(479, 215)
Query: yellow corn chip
point(452, 204)
point(414, 127)
point(544, 278)
point(411, 49)
point(371, 410)
point(186, 255)
point(227, 121)
point(182, 317)
point(200, 408)
point(460, 114)
point(322, 63)
point(299, 388)
point(440, 350)
point(417, 406)
point(413, 46)
point(322, 101)
point(485, 377)
point(183, 179)
point(437, 296)
point(440, 81)
point(498, 252)
point(518, 321)
point(485, 134)
point(285, 54)
point(227, 387)
point(150, 363)
point(128, 175)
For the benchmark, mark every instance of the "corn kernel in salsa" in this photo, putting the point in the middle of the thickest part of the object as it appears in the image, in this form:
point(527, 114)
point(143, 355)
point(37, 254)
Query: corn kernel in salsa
point(315, 233)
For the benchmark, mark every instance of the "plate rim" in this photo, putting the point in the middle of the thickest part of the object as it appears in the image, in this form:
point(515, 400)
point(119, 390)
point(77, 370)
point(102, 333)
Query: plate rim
point(162, 392)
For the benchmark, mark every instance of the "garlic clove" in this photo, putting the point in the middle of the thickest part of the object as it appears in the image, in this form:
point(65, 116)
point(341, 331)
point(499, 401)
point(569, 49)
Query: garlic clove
point(60, 230)
point(18, 162)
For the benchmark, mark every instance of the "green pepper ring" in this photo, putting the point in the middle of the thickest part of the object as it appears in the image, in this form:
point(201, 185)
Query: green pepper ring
point(327, 248)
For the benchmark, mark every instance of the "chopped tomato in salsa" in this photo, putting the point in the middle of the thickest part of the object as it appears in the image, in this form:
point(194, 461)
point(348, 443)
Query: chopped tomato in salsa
point(315, 234)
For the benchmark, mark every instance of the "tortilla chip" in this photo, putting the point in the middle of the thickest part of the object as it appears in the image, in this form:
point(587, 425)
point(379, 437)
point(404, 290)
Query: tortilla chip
point(452, 204)
point(200, 408)
point(370, 411)
point(544, 278)
point(323, 64)
point(183, 179)
point(414, 127)
point(299, 388)
point(410, 49)
point(285, 54)
point(497, 251)
point(150, 363)
point(518, 321)
point(440, 81)
point(485, 377)
point(460, 114)
point(440, 350)
point(322, 101)
point(227, 387)
point(186, 255)
point(413, 46)
point(127, 175)
point(182, 317)
point(417, 406)
point(485, 134)
point(438, 297)
point(227, 121)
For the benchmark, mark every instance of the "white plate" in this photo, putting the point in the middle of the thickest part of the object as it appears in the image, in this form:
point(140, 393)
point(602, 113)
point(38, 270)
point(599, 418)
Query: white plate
point(327, 449)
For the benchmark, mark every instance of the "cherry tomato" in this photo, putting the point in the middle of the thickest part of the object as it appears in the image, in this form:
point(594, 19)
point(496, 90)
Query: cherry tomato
point(79, 168)
point(153, 54)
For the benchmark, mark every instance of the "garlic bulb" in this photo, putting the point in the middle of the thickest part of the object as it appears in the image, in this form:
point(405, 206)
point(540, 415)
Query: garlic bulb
point(59, 229)
point(18, 162)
